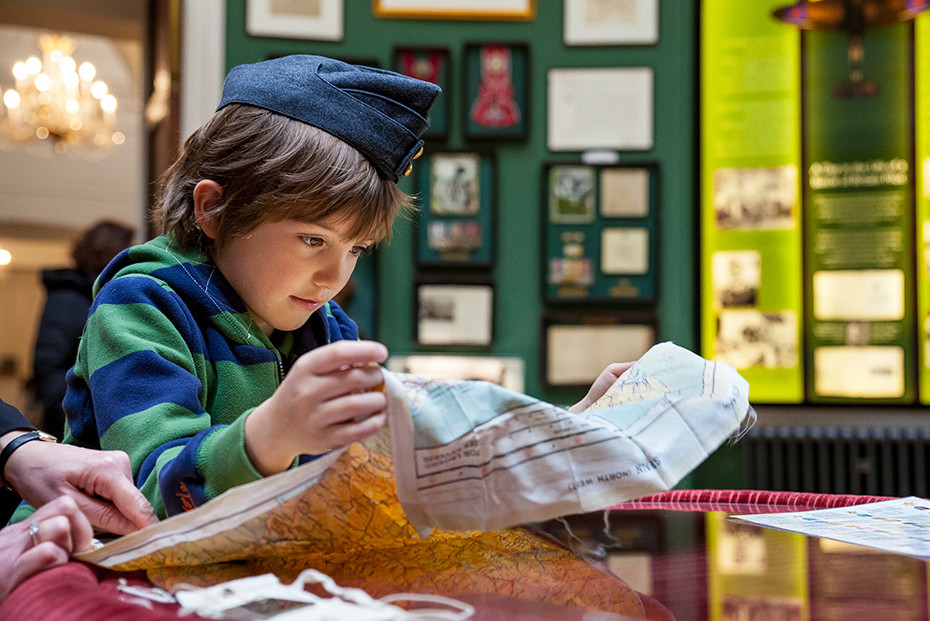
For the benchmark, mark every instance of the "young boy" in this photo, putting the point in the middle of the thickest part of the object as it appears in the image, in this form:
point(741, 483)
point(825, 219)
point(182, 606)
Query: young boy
point(212, 354)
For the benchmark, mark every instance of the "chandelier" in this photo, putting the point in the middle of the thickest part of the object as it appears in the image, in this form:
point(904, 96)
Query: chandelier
point(55, 100)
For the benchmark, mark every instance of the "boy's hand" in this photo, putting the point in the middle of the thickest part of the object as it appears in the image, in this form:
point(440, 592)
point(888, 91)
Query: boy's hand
point(327, 400)
point(604, 381)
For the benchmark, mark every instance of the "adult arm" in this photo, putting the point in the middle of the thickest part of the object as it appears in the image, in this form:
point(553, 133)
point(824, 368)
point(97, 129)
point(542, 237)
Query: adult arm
point(99, 483)
point(11, 419)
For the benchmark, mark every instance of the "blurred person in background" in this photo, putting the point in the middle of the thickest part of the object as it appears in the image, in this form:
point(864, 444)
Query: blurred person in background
point(66, 306)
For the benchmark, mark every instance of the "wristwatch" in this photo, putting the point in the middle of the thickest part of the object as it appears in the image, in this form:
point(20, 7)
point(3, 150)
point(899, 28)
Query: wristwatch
point(17, 442)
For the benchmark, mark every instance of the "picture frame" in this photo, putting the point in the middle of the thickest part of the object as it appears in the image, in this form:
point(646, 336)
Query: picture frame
point(496, 87)
point(600, 232)
point(577, 347)
point(610, 22)
point(454, 312)
point(457, 218)
point(583, 107)
point(508, 372)
point(431, 64)
point(519, 10)
point(320, 21)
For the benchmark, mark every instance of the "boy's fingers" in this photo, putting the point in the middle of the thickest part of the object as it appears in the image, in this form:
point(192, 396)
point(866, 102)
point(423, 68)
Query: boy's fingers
point(342, 354)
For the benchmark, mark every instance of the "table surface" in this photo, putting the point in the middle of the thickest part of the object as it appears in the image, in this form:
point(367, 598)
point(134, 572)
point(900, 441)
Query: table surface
point(704, 565)
point(696, 564)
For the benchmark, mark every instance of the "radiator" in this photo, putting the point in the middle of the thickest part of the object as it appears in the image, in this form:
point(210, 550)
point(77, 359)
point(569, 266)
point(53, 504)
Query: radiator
point(890, 461)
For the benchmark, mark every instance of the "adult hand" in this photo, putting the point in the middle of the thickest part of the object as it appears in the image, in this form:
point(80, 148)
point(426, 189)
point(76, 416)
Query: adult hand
point(47, 539)
point(604, 381)
point(99, 482)
point(327, 400)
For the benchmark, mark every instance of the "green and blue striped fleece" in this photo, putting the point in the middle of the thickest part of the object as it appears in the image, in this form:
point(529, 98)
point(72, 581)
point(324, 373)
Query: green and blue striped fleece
point(169, 367)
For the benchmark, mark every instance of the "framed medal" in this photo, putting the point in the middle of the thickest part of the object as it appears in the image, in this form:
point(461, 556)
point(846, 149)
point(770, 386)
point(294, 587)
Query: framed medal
point(496, 90)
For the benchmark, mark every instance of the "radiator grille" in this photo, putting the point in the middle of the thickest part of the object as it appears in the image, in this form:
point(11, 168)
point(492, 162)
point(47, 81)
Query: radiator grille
point(890, 461)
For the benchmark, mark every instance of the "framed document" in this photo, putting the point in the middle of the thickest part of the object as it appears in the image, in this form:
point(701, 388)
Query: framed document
point(577, 347)
point(456, 222)
point(599, 232)
point(457, 9)
point(600, 108)
point(610, 22)
point(507, 372)
point(321, 20)
point(496, 90)
point(430, 64)
point(454, 312)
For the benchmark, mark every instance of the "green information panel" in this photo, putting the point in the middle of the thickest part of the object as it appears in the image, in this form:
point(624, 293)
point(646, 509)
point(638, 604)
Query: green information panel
point(922, 157)
point(751, 273)
point(858, 223)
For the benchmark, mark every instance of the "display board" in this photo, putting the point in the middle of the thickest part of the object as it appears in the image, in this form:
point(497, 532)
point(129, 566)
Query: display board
point(751, 275)
point(858, 206)
point(922, 198)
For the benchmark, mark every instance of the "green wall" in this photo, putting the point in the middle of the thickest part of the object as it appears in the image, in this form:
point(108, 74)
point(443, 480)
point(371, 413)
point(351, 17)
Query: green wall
point(519, 305)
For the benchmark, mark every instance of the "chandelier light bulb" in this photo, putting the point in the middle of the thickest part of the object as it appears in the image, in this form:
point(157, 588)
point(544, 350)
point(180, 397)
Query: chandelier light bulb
point(67, 65)
point(11, 99)
point(87, 71)
point(99, 89)
point(20, 70)
point(108, 104)
point(5, 256)
point(33, 65)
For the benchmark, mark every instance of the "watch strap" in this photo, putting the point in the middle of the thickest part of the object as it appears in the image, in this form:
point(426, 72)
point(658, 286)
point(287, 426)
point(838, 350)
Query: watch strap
point(14, 444)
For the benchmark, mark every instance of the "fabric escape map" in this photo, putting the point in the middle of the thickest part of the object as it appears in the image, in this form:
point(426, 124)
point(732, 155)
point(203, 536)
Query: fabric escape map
point(435, 502)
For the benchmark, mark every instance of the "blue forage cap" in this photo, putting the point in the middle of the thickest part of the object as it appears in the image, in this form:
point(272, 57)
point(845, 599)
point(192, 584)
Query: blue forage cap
point(380, 113)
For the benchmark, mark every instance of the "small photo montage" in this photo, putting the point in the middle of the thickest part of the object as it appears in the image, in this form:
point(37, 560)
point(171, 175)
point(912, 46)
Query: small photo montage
point(755, 198)
point(751, 338)
point(737, 275)
point(571, 194)
point(455, 184)
point(454, 237)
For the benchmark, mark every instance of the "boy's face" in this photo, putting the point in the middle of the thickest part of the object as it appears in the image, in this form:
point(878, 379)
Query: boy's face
point(287, 269)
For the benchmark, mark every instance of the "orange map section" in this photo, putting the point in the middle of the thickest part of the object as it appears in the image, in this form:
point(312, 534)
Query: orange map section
point(351, 526)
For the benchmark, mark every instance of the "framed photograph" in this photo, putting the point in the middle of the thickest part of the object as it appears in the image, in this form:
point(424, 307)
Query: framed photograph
point(756, 199)
point(457, 9)
point(624, 192)
point(584, 104)
point(430, 64)
point(600, 224)
point(496, 89)
point(578, 346)
point(321, 20)
point(610, 22)
point(507, 372)
point(624, 250)
point(457, 312)
point(571, 194)
point(456, 219)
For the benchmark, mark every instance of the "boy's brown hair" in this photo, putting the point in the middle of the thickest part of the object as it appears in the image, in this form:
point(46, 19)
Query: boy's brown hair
point(273, 168)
